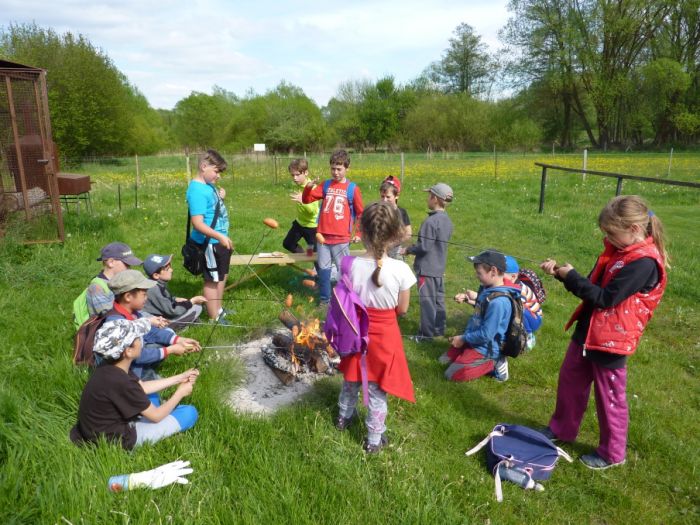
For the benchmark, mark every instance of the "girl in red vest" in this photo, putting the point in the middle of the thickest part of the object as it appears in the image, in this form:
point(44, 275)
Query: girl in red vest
point(384, 286)
point(619, 297)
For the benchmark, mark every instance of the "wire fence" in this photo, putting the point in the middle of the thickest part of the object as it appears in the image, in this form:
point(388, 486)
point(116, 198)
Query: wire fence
point(272, 169)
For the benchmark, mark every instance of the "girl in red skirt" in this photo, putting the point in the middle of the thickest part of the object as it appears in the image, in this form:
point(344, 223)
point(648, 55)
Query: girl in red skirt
point(384, 286)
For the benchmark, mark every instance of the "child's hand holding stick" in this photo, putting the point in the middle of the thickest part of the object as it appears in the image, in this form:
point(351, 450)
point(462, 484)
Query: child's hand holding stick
point(551, 267)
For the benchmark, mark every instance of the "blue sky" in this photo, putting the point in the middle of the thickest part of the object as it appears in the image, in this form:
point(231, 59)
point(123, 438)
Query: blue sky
point(169, 49)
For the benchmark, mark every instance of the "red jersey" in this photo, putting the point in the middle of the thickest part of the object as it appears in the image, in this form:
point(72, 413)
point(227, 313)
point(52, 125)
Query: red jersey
point(335, 219)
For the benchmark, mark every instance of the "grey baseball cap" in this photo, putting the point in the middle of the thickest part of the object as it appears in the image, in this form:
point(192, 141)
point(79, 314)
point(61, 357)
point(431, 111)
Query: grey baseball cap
point(114, 337)
point(129, 280)
point(155, 262)
point(442, 191)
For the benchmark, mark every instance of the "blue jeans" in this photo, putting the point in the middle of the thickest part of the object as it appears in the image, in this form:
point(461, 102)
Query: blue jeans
point(329, 255)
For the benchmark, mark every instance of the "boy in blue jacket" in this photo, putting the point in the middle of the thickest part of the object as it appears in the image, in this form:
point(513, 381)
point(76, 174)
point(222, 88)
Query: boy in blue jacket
point(129, 288)
point(476, 352)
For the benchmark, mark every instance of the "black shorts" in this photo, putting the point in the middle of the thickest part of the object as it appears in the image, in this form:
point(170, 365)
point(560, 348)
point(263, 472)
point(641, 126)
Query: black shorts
point(218, 261)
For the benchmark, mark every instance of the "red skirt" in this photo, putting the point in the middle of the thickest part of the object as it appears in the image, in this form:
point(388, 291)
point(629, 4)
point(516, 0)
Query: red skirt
point(386, 360)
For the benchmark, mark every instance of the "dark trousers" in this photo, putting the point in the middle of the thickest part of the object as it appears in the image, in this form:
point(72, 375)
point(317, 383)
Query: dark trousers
point(295, 234)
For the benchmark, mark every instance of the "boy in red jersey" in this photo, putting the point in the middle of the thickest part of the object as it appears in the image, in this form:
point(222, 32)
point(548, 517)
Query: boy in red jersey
point(341, 207)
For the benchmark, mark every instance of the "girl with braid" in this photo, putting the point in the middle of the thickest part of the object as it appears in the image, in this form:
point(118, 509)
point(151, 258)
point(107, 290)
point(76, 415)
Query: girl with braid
point(384, 286)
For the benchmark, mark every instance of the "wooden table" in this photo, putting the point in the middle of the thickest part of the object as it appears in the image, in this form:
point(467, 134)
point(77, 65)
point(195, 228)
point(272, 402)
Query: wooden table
point(282, 259)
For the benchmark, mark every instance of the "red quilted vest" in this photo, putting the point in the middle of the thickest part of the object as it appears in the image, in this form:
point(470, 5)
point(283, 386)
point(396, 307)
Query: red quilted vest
point(618, 329)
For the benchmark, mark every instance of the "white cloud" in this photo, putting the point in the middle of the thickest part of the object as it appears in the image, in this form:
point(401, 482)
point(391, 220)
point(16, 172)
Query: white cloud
point(168, 49)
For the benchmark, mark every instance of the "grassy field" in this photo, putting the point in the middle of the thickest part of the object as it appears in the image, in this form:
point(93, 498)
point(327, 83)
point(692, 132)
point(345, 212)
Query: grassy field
point(294, 467)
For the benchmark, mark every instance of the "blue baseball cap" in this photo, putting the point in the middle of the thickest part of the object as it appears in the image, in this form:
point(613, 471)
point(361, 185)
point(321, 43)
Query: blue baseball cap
point(511, 265)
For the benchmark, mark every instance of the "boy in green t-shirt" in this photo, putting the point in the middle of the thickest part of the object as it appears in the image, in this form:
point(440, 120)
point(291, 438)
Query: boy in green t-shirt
point(304, 226)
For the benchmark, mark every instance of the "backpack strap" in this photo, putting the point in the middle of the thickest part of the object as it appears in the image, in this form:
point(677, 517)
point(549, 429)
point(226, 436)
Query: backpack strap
point(564, 455)
point(346, 264)
point(213, 222)
point(483, 442)
point(350, 194)
point(487, 300)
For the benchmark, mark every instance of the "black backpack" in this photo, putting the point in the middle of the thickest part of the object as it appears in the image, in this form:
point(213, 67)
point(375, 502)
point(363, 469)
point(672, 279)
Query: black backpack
point(515, 342)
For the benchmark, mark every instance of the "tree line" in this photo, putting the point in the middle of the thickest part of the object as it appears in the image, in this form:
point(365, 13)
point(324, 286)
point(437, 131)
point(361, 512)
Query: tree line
point(577, 73)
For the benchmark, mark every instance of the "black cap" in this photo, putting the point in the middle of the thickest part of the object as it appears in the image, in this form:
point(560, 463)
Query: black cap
point(490, 258)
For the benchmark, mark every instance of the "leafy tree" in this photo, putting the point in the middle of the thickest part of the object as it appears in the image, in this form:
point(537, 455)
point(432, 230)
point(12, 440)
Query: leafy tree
point(343, 114)
point(294, 121)
point(93, 108)
point(465, 66)
point(663, 85)
point(200, 120)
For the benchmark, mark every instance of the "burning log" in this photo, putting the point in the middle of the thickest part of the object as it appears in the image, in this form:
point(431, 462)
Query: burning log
point(287, 318)
point(304, 350)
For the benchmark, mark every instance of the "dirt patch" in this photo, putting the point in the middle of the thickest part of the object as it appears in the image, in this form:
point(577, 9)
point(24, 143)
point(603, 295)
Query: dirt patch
point(261, 391)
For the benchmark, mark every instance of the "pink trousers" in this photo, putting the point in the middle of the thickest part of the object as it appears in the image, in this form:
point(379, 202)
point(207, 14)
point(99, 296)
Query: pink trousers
point(575, 378)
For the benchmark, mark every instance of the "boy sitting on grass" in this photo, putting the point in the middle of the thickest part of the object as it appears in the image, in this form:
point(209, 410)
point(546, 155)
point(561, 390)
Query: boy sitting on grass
point(116, 405)
point(97, 298)
point(129, 288)
point(477, 352)
point(179, 311)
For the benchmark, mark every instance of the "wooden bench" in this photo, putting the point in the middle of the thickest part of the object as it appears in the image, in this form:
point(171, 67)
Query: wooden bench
point(272, 260)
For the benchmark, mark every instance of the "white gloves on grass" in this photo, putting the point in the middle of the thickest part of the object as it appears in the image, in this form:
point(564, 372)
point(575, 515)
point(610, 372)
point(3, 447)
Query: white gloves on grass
point(156, 478)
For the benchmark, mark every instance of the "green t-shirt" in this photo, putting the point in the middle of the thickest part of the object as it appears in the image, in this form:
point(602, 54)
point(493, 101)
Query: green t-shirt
point(307, 214)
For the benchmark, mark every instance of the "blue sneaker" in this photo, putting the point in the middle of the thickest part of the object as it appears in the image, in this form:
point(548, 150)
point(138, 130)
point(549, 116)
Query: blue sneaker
point(596, 462)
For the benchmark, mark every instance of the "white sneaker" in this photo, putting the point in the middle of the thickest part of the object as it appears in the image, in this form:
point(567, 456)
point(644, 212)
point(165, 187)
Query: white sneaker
point(500, 372)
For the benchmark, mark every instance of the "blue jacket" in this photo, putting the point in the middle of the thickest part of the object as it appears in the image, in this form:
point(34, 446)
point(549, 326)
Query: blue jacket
point(484, 334)
point(153, 341)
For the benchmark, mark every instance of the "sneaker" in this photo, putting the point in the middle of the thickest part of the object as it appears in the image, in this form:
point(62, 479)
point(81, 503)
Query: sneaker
point(595, 462)
point(420, 338)
point(226, 312)
point(374, 449)
point(547, 432)
point(500, 372)
point(220, 321)
point(341, 423)
point(444, 359)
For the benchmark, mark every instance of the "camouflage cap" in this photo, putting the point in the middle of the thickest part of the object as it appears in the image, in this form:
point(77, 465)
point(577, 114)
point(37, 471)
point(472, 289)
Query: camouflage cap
point(114, 337)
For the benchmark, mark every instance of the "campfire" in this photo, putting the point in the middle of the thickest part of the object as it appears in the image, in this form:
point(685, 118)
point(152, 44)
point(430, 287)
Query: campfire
point(302, 349)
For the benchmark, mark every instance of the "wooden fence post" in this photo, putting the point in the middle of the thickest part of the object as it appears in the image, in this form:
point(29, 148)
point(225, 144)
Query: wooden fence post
point(543, 183)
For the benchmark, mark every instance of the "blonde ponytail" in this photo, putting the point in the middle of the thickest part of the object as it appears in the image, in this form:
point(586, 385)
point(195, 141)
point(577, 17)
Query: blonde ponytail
point(620, 213)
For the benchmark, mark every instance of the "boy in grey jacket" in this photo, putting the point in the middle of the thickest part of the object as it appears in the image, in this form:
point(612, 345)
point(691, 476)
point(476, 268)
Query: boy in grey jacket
point(431, 258)
point(179, 311)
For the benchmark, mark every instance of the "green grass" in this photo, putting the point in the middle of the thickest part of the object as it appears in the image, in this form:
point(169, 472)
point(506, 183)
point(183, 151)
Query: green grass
point(294, 467)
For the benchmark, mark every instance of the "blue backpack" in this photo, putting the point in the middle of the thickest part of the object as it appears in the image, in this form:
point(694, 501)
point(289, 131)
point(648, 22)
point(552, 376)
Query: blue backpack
point(347, 322)
point(519, 454)
point(350, 196)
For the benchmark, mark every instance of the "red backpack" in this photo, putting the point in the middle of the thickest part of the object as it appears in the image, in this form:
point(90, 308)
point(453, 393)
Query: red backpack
point(532, 281)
